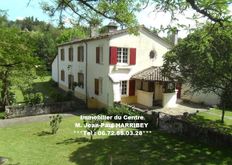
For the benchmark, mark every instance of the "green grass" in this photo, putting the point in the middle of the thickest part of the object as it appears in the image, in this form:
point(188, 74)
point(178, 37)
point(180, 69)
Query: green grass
point(212, 119)
point(41, 84)
point(18, 95)
point(31, 144)
point(215, 115)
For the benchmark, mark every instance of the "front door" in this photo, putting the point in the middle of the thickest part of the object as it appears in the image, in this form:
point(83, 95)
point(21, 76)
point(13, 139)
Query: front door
point(70, 82)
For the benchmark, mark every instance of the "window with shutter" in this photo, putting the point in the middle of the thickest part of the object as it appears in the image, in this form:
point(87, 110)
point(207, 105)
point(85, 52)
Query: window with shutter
point(113, 55)
point(96, 84)
point(70, 54)
point(62, 75)
point(98, 55)
point(81, 80)
point(122, 55)
point(62, 54)
point(132, 56)
point(80, 53)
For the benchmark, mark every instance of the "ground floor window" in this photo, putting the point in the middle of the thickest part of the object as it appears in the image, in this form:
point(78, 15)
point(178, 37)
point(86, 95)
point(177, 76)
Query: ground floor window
point(98, 86)
point(81, 80)
point(123, 86)
point(70, 82)
point(62, 75)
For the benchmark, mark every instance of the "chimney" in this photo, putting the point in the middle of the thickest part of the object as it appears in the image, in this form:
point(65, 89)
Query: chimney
point(111, 27)
point(94, 31)
point(175, 36)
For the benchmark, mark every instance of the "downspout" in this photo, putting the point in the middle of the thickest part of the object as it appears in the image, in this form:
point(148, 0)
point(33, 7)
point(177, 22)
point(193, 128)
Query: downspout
point(86, 73)
point(58, 71)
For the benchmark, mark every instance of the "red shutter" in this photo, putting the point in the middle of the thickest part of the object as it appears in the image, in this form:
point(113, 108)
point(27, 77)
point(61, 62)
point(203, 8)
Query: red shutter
point(98, 55)
point(132, 56)
point(113, 55)
point(131, 87)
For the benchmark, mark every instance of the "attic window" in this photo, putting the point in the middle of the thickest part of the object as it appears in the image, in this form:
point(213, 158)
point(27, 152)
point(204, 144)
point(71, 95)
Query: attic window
point(152, 54)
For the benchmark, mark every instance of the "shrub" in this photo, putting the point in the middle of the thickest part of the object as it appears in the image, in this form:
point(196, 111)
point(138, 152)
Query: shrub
point(120, 110)
point(34, 98)
point(69, 96)
point(2, 115)
point(55, 123)
point(92, 129)
point(53, 83)
point(57, 97)
point(60, 97)
point(12, 98)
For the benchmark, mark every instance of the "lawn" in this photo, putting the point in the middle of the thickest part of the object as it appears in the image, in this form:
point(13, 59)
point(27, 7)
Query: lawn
point(41, 84)
point(31, 144)
point(215, 115)
point(212, 118)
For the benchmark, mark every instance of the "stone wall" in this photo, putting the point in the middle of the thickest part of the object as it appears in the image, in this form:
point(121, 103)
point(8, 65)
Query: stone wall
point(178, 125)
point(38, 109)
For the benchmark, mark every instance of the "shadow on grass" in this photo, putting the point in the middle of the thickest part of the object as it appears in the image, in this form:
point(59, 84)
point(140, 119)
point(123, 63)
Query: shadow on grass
point(74, 140)
point(149, 149)
point(43, 133)
point(217, 125)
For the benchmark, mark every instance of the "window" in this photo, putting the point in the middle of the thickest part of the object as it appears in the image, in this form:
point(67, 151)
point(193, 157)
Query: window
point(122, 55)
point(70, 82)
point(62, 75)
point(70, 54)
point(99, 55)
point(62, 54)
point(98, 86)
point(123, 86)
point(80, 80)
point(80, 53)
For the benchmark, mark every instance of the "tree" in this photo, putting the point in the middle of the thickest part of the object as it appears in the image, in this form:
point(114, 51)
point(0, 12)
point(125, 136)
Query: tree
point(124, 11)
point(204, 60)
point(77, 32)
point(17, 64)
point(85, 11)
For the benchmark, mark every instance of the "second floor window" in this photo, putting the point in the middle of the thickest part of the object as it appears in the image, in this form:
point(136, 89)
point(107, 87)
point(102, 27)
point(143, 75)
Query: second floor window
point(99, 55)
point(80, 53)
point(62, 54)
point(122, 55)
point(70, 54)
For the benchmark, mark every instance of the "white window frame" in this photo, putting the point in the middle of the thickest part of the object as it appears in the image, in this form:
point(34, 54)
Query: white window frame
point(126, 94)
point(121, 55)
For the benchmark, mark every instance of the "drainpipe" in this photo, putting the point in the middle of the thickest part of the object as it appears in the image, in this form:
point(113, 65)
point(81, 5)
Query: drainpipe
point(58, 71)
point(86, 73)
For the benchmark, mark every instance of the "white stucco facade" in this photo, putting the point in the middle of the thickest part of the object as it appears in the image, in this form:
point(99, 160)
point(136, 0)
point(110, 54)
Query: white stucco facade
point(55, 69)
point(109, 75)
point(199, 97)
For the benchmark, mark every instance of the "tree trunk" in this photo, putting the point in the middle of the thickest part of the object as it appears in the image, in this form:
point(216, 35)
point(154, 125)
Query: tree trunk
point(223, 114)
point(91, 137)
point(5, 89)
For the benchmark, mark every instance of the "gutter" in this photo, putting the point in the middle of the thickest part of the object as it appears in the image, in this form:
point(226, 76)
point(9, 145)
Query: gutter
point(86, 72)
